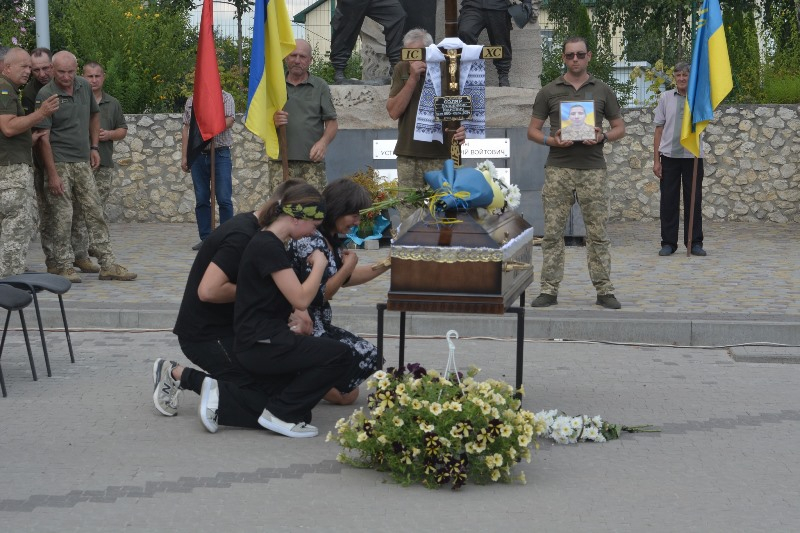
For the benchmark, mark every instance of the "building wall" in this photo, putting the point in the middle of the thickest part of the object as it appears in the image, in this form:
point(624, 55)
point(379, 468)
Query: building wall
point(752, 166)
point(318, 28)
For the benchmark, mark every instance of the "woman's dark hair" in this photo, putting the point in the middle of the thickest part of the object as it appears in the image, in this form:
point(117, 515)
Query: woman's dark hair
point(303, 194)
point(278, 192)
point(342, 197)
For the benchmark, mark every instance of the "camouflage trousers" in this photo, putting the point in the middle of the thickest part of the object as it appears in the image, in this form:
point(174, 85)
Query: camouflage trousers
point(80, 201)
point(410, 175)
point(17, 208)
point(313, 173)
point(80, 233)
point(562, 187)
point(38, 187)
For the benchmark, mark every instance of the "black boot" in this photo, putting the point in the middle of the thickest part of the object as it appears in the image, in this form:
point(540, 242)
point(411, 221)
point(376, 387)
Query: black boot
point(503, 80)
point(338, 76)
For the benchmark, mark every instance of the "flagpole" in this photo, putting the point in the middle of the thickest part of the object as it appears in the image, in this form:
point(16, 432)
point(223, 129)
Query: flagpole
point(691, 208)
point(212, 185)
point(284, 154)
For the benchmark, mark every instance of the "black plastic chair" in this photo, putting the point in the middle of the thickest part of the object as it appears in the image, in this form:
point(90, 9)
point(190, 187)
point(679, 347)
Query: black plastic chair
point(12, 299)
point(35, 282)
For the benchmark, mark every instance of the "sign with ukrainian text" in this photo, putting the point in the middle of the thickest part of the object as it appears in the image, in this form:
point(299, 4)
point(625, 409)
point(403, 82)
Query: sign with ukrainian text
point(447, 108)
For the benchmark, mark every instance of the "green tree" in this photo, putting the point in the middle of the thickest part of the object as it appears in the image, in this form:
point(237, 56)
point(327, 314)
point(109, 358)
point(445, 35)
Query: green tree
point(232, 78)
point(651, 29)
point(571, 18)
point(17, 24)
point(744, 54)
point(782, 22)
point(145, 50)
point(241, 7)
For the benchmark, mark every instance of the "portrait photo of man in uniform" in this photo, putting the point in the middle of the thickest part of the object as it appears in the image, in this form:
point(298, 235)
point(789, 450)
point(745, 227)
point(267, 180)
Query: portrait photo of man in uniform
point(579, 120)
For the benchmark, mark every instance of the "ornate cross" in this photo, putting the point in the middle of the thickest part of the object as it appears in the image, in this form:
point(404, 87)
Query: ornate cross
point(451, 108)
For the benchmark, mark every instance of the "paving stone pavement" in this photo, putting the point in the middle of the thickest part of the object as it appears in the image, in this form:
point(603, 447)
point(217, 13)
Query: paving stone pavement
point(746, 290)
point(85, 451)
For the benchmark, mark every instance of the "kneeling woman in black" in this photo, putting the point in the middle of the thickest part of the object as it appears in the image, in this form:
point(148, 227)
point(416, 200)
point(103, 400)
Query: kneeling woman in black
point(266, 293)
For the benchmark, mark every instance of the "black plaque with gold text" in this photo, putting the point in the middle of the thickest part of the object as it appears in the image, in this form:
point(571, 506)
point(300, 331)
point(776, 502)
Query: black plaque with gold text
point(447, 108)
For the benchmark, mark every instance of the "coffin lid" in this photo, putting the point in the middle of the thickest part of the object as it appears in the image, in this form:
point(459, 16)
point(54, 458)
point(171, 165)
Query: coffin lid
point(476, 237)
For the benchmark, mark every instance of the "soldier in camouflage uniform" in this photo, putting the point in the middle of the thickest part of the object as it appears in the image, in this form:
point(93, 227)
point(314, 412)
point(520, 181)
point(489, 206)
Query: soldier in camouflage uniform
point(68, 155)
point(112, 128)
point(310, 120)
point(575, 169)
point(17, 205)
point(41, 74)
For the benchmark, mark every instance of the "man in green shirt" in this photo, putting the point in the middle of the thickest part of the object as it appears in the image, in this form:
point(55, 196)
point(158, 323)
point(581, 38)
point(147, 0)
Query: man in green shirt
point(16, 163)
point(310, 120)
point(576, 169)
point(112, 128)
point(41, 74)
point(414, 158)
point(69, 150)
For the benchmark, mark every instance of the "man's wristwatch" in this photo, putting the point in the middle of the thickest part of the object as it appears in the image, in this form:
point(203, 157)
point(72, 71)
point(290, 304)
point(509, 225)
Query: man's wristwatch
point(94, 147)
point(605, 137)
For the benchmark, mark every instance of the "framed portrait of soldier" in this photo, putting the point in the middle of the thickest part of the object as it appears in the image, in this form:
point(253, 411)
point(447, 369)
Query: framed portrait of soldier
point(577, 120)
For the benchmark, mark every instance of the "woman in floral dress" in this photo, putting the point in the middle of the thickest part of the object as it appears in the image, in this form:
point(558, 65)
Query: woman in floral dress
point(343, 200)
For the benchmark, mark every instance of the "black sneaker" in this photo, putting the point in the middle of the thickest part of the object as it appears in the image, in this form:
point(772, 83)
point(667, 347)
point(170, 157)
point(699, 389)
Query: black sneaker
point(698, 250)
point(609, 301)
point(666, 250)
point(197, 246)
point(545, 300)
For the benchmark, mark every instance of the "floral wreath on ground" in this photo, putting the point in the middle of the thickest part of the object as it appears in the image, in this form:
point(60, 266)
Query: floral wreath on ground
point(422, 427)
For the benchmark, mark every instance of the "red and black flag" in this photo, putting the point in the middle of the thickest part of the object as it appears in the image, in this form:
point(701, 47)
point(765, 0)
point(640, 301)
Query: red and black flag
point(208, 111)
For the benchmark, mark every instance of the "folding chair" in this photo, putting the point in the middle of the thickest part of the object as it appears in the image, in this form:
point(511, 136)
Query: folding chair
point(35, 282)
point(12, 299)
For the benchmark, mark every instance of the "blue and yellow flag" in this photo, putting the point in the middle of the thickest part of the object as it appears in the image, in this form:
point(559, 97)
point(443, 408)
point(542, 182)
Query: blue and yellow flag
point(273, 40)
point(710, 79)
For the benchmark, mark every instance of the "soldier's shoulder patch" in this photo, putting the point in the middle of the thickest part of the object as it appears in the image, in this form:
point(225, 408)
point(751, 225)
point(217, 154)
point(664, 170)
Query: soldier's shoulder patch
point(4, 92)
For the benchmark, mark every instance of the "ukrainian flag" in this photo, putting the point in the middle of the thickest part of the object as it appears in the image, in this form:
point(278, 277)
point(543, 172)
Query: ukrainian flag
point(710, 79)
point(273, 40)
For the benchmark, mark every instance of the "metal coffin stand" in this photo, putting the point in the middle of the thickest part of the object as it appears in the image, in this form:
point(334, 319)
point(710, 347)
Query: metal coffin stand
point(479, 265)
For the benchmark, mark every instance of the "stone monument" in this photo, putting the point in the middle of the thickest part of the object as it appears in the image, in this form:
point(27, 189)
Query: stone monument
point(526, 44)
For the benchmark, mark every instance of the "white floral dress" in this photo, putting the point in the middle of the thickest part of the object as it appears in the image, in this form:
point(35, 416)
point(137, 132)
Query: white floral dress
point(365, 354)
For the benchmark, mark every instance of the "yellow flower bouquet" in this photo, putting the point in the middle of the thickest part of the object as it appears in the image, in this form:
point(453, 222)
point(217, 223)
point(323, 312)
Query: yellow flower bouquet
point(438, 430)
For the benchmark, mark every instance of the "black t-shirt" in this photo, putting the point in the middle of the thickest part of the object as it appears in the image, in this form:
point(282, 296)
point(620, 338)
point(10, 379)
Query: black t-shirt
point(262, 311)
point(203, 321)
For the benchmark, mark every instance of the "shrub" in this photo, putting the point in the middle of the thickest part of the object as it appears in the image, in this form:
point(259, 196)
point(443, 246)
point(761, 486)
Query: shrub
point(321, 66)
point(781, 87)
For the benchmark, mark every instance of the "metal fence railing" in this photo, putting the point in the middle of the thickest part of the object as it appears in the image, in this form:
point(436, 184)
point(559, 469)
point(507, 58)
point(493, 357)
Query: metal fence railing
point(226, 25)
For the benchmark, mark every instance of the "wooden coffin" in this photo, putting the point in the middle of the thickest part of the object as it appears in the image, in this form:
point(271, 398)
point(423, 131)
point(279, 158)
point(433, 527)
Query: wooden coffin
point(478, 265)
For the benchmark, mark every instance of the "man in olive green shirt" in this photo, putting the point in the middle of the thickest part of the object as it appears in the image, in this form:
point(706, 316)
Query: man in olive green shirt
point(112, 128)
point(16, 163)
point(310, 120)
point(41, 74)
point(576, 170)
point(69, 150)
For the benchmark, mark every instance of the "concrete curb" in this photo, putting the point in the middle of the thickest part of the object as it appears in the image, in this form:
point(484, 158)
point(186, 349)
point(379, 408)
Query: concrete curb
point(601, 325)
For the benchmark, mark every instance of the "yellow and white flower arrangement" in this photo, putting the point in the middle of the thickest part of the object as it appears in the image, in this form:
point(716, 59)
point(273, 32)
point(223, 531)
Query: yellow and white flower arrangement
point(422, 427)
point(506, 194)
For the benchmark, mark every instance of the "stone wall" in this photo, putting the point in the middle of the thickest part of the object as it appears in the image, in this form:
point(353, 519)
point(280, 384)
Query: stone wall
point(752, 162)
point(752, 166)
